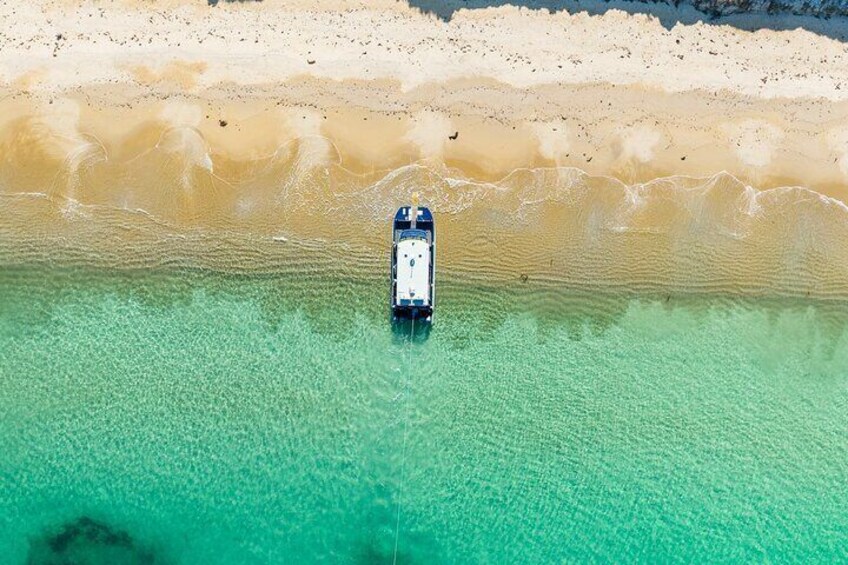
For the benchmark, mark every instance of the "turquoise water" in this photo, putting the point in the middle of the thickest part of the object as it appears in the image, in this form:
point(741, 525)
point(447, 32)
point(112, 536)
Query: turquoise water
point(197, 418)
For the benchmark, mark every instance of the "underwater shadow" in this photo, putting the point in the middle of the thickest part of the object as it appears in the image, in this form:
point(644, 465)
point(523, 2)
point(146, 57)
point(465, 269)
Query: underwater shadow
point(415, 331)
point(86, 541)
point(826, 18)
point(372, 554)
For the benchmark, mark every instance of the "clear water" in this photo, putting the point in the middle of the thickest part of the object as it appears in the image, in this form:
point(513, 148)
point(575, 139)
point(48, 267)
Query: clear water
point(263, 419)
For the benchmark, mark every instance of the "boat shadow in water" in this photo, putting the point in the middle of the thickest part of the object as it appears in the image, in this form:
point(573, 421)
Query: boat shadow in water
point(406, 329)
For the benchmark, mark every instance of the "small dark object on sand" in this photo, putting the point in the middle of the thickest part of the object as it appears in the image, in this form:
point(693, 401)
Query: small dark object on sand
point(222, 123)
point(216, 2)
point(454, 136)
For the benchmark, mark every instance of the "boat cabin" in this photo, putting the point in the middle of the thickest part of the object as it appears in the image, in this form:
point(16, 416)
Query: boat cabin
point(413, 264)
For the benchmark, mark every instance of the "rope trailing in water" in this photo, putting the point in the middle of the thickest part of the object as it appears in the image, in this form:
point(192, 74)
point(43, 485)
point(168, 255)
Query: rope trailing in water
point(403, 444)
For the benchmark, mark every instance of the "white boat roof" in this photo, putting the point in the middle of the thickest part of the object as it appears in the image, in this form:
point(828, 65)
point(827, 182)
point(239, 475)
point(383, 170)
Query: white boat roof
point(413, 270)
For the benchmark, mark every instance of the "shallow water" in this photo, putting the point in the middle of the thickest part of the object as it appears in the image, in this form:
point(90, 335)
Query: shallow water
point(619, 372)
point(276, 418)
point(168, 195)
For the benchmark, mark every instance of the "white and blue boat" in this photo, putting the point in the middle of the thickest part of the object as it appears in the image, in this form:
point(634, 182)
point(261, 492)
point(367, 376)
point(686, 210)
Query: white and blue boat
point(413, 264)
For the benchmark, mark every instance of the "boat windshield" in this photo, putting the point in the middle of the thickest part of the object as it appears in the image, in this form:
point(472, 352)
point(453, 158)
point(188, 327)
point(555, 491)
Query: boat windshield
point(413, 234)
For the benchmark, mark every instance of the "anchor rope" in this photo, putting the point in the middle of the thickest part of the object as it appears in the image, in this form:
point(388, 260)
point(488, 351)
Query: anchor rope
point(403, 443)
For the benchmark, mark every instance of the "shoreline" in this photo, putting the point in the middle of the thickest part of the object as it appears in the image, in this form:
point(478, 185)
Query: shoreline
point(629, 133)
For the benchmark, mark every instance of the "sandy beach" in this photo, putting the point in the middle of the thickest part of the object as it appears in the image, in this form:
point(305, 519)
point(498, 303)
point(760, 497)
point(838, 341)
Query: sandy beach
point(269, 118)
point(614, 94)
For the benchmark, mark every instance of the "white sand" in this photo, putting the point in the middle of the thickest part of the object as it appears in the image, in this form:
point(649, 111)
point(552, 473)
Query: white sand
point(254, 43)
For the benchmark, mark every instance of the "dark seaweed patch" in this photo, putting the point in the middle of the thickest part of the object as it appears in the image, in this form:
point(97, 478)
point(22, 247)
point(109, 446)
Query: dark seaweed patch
point(86, 541)
point(374, 553)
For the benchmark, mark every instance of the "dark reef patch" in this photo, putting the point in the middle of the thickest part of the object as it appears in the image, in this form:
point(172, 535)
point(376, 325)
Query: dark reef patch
point(86, 541)
point(375, 553)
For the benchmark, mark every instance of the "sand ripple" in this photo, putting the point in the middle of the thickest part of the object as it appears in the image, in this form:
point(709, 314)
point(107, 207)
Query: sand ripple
point(168, 206)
